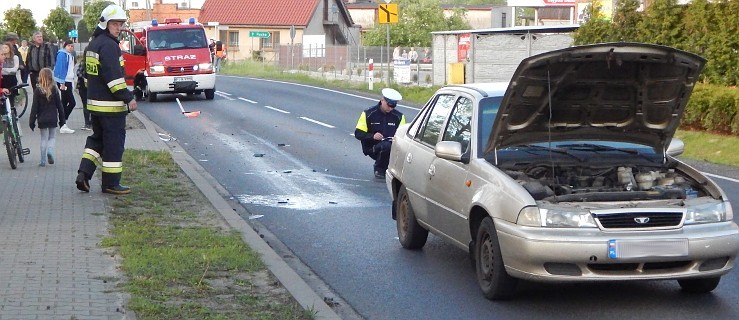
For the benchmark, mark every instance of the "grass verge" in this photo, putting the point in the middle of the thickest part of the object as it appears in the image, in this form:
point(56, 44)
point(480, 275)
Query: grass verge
point(180, 259)
point(701, 146)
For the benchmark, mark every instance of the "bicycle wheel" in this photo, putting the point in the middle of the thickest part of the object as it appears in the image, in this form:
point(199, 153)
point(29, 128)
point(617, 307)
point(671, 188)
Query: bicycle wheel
point(21, 101)
point(8, 141)
point(18, 145)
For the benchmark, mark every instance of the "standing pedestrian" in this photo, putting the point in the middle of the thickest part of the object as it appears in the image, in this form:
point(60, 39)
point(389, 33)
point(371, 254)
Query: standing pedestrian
point(220, 55)
point(82, 90)
point(40, 55)
point(23, 50)
point(47, 111)
point(64, 76)
point(109, 101)
point(376, 127)
point(12, 38)
point(10, 68)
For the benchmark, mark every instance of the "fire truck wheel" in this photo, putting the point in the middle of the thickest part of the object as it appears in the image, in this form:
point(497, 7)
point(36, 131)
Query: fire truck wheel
point(210, 93)
point(151, 96)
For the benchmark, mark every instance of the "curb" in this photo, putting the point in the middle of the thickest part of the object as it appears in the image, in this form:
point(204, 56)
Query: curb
point(295, 285)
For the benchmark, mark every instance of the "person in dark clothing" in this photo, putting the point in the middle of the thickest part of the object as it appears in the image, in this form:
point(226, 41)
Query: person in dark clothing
point(40, 55)
point(376, 127)
point(109, 101)
point(82, 90)
point(46, 110)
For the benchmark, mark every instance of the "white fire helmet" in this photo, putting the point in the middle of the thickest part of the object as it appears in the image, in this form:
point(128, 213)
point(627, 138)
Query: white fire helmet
point(112, 12)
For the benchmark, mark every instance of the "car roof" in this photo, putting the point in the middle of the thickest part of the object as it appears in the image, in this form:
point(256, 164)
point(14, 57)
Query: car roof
point(486, 89)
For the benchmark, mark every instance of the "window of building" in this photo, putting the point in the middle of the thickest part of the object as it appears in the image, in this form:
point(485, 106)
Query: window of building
point(502, 20)
point(134, 4)
point(271, 42)
point(233, 38)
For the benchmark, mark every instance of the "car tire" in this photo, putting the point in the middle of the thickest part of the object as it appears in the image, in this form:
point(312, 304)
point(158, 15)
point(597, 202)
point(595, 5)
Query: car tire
point(703, 285)
point(210, 93)
point(410, 234)
point(492, 277)
point(151, 96)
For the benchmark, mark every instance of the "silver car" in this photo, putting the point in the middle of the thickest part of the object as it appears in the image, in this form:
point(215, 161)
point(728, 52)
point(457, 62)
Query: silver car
point(567, 173)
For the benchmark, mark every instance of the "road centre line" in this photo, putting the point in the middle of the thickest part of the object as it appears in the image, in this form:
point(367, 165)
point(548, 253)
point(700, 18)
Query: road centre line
point(319, 88)
point(224, 96)
point(317, 122)
point(247, 100)
point(221, 92)
point(721, 177)
point(275, 109)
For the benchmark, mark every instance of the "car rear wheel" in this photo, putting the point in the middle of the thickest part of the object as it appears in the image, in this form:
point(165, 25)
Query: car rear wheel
point(704, 285)
point(411, 234)
point(494, 281)
point(151, 96)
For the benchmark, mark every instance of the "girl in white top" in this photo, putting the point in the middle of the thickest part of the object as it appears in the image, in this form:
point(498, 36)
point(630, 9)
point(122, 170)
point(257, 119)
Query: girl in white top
point(10, 68)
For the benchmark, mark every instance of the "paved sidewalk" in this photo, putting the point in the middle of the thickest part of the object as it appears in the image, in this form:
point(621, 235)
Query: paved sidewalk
point(51, 264)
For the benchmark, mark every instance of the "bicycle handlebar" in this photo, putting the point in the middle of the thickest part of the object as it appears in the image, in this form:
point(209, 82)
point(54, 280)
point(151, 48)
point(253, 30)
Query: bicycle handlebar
point(14, 89)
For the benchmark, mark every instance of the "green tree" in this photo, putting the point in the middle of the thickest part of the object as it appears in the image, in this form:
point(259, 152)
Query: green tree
point(596, 28)
point(83, 34)
point(417, 19)
point(20, 21)
point(625, 18)
point(661, 24)
point(93, 8)
point(59, 23)
point(723, 48)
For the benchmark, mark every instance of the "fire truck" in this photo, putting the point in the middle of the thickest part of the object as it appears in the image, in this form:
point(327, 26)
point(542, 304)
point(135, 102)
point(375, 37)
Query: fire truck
point(168, 58)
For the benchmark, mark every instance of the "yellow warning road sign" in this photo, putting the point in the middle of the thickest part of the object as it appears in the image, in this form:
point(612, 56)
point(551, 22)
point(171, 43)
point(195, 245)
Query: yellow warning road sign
point(387, 13)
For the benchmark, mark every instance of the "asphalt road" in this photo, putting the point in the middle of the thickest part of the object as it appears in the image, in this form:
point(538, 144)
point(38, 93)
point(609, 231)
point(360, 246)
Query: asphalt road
point(287, 154)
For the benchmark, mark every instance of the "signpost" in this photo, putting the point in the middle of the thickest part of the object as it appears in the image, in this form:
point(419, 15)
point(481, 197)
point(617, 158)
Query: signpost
point(259, 34)
point(388, 14)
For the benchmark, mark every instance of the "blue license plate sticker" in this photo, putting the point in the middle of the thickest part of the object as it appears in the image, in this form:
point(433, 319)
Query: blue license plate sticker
point(612, 253)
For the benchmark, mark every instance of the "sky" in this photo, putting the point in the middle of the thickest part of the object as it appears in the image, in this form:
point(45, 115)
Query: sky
point(39, 8)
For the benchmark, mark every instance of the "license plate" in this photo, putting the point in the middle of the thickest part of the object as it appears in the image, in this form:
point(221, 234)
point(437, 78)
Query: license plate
point(624, 249)
point(179, 79)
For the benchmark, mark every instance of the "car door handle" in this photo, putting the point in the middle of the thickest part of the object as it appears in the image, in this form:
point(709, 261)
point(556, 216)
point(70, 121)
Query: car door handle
point(409, 158)
point(432, 170)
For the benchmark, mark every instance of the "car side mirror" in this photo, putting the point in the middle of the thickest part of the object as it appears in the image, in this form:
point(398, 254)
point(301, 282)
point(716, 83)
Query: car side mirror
point(449, 150)
point(139, 50)
point(676, 148)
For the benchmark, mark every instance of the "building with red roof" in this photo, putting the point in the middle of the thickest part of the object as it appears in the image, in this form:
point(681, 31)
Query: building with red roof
point(259, 27)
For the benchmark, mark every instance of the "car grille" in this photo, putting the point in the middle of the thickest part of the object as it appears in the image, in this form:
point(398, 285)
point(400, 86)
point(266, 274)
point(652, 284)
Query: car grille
point(177, 70)
point(630, 267)
point(639, 220)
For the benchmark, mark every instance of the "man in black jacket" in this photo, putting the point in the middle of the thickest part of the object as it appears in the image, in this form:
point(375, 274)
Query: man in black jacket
point(376, 127)
point(40, 55)
point(109, 101)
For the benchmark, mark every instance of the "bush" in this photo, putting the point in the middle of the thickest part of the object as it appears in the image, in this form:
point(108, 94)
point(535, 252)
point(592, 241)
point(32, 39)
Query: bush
point(722, 110)
point(713, 108)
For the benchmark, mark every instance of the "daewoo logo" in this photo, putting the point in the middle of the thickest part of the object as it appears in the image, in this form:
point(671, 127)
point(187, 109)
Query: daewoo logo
point(180, 57)
point(641, 220)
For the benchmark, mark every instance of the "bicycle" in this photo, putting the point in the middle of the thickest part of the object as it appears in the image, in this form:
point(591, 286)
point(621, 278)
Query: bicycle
point(21, 101)
point(11, 134)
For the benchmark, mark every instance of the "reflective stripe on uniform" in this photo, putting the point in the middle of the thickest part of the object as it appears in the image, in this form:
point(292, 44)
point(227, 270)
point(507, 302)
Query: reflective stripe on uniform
point(112, 167)
point(106, 106)
point(92, 63)
point(92, 155)
point(117, 84)
point(121, 61)
point(402, 120)
point(362, 123)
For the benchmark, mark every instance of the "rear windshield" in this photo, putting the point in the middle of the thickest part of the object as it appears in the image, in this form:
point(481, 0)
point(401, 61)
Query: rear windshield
point(176, 39)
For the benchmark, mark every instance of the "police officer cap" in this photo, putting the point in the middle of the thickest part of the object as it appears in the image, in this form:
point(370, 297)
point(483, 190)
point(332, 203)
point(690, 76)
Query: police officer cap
point(392, 96)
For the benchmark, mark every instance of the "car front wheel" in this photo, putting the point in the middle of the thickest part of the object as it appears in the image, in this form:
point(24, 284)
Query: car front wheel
point(494, 281)
point(411, 234)
point(704, 285)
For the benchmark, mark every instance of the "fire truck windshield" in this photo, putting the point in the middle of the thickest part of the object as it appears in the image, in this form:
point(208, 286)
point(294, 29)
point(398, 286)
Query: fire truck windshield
point(169, 39)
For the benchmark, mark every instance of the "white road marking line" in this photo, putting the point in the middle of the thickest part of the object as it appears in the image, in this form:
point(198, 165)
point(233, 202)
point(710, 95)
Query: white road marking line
point(721, 177)
point(275, 109)
point(319, 88)
point(247, 100)
point(317, 122)
point(224, 96)
point(221, 92)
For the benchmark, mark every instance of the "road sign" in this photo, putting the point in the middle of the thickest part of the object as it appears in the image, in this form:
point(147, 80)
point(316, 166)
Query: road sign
point(72, 33)
point(259, 34)
point(387, 13)
point(292, 32)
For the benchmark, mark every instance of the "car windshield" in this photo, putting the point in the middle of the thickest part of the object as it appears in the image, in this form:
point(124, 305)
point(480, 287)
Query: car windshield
point(176, 39)
point(488, 111)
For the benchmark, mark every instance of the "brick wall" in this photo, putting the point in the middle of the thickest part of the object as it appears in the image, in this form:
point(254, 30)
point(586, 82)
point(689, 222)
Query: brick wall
point(163, 11)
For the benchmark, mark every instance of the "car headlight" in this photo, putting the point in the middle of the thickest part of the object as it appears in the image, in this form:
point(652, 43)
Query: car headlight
point(709, 212)
point(156, 69)
point(540, 217)
point(205, 66)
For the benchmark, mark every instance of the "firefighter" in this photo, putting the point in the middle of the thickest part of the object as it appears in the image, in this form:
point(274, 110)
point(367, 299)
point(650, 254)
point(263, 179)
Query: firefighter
point(376, 127)
point(109, 101)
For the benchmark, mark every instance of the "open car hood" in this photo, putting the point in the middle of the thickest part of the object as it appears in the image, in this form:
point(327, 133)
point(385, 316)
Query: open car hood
point(627, 92)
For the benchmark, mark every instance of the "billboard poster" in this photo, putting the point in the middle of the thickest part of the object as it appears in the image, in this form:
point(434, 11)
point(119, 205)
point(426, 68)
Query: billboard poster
point(463, 47)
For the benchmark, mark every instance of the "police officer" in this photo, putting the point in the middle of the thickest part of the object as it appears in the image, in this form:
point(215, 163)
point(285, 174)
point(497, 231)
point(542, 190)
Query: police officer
point(109, 101)
point(376, 127)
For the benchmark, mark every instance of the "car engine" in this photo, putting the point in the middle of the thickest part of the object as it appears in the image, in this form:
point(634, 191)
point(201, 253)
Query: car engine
point(578, 183)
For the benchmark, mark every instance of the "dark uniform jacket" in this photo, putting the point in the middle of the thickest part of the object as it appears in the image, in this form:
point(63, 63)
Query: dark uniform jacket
point(373, 120)
point(107, 93)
